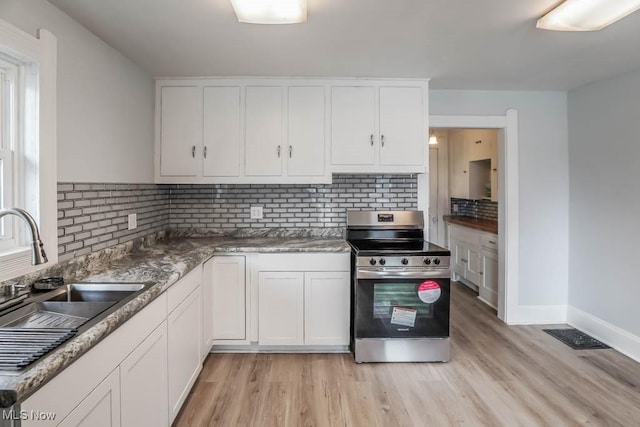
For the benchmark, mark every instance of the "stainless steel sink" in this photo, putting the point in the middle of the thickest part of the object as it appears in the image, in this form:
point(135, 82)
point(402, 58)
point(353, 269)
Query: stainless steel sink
point(41, 323)
point(54, 314)
point(96, 292)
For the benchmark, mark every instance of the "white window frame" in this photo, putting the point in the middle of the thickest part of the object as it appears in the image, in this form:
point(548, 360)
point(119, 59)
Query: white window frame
point(31, 146)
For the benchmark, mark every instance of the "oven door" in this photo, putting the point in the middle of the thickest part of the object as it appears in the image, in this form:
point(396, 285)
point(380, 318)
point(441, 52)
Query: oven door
point(409, 305)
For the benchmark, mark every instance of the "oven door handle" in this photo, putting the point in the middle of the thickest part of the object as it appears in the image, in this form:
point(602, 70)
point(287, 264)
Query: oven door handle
point(381, 274)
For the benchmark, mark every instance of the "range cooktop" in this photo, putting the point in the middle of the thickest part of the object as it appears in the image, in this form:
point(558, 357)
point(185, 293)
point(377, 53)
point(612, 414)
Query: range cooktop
point(397, 247)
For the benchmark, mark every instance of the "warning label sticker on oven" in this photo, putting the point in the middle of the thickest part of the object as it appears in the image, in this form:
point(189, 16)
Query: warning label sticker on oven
point(429, 291)
point(403, 316)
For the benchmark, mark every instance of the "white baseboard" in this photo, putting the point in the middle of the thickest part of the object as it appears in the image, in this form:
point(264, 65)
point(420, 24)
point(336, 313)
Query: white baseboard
point(615, 337)
point(537, 315)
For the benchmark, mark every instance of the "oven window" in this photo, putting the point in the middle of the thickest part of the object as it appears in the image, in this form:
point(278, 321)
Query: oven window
point(401, 308)
point(387, 296)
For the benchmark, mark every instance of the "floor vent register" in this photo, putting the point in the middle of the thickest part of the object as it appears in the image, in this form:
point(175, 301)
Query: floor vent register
point(576, 339)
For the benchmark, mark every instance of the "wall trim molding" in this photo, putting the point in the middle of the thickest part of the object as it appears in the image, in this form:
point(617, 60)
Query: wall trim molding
point(538, 315)
point(621, 340)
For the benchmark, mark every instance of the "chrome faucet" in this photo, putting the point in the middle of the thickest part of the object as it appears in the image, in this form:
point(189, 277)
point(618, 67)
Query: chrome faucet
point(37, 247)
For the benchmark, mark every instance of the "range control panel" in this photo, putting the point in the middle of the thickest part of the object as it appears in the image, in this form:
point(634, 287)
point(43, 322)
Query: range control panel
point(425, 261)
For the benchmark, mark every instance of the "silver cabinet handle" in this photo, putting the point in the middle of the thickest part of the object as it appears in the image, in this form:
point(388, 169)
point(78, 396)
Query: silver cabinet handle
point(382, 140)
point(492, 242)
point(463, 260)
point(278, 151)
point(481, 273)
point(372, 140)
point(193, 151)
point(290, 151)
point(204, 152)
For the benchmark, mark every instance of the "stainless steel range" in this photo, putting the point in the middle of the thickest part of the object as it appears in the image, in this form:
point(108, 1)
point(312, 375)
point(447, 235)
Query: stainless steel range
point(400, 289)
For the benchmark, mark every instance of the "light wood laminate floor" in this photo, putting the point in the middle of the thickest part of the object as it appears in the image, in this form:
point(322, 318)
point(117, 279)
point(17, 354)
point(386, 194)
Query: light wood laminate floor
point(498, 376)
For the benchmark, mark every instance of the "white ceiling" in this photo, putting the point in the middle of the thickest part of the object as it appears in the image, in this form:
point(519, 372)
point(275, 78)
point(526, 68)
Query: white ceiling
point(460, 44)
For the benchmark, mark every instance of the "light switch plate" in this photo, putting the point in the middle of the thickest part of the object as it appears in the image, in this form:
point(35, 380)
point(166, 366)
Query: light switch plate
point(133, 221)
point(256, 212)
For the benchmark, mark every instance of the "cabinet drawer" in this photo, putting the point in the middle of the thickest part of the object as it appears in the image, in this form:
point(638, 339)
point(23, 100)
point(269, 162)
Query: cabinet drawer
point(489, 241)
point(465, 234)
point(183, 287)
point(305, 262)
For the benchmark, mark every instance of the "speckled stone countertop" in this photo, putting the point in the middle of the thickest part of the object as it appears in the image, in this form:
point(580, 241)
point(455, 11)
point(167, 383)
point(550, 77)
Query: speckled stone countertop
point(162, 262)
point(477, 224)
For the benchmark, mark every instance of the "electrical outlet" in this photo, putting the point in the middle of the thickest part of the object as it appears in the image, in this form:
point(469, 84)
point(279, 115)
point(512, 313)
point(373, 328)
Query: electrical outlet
point(133, 221)
point(455, 208)
point(256, 212)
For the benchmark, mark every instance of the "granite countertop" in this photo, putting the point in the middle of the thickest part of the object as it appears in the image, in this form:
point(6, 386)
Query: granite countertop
point(478, 224)
point(163, 263)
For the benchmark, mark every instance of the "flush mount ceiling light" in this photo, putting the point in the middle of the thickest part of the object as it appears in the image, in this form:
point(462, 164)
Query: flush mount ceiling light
point(587, 15)
point(270, 11)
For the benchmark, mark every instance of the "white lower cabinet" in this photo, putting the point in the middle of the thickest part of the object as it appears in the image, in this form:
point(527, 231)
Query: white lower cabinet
point(474, 258)
point(326, 308)
point(184, 325)
point(300, 306)
point(227, 278)
point(143, 382)
point(281, 308)
point(101, 408)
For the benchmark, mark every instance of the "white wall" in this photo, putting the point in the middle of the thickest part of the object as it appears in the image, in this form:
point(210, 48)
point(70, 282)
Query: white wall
point(105, 102)
point(604, 154)
point(544, 183)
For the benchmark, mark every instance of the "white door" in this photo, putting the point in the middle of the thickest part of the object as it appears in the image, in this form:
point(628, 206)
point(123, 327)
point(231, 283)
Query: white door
point(263, 131)
point(184, 354)
point(354, 140)
point(180, 134)
point(144, 382)
point(434, 193)
point(221, 124)
point(474, 265)
point(459, 165)
point(101, 408)
point(229, 304)
point(489, 277)
point(402, 131)
point(207, 308)
point(459, 255)
point(326, 308)
point(280, 308)
point(306, 151)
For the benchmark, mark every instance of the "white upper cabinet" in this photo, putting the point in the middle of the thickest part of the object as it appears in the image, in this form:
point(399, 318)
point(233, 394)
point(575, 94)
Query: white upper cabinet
point(221, 128)
point(402, 136)
point(379, 127)
point(180, 136)
point(287, 130)
point(306, 131)
point(353, 134)
point(263, 131)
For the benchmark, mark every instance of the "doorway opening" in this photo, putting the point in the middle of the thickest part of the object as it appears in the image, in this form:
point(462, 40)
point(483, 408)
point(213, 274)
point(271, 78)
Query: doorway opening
point(479, 197)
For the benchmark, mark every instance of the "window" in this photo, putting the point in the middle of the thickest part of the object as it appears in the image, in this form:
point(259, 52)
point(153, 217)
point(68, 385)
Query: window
point(27, 145)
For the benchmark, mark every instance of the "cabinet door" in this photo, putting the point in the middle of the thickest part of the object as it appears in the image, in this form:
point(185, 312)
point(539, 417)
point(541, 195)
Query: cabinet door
point(180, 135)
point(280, 308)
point(263, 138)
point(481, 143)
point(184, 354)
point(488, 291)
point(101, 408)
point(402, 126)
point(474, 265)
point(459, 256)
point(221, 151)
point(144, 382)
point(353, 136)
point(459, 165)
point(326, 308)
point(229, 304)
point(306, 151)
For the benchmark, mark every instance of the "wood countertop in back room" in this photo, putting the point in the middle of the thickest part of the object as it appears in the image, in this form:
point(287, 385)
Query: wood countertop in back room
point(478, 224)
